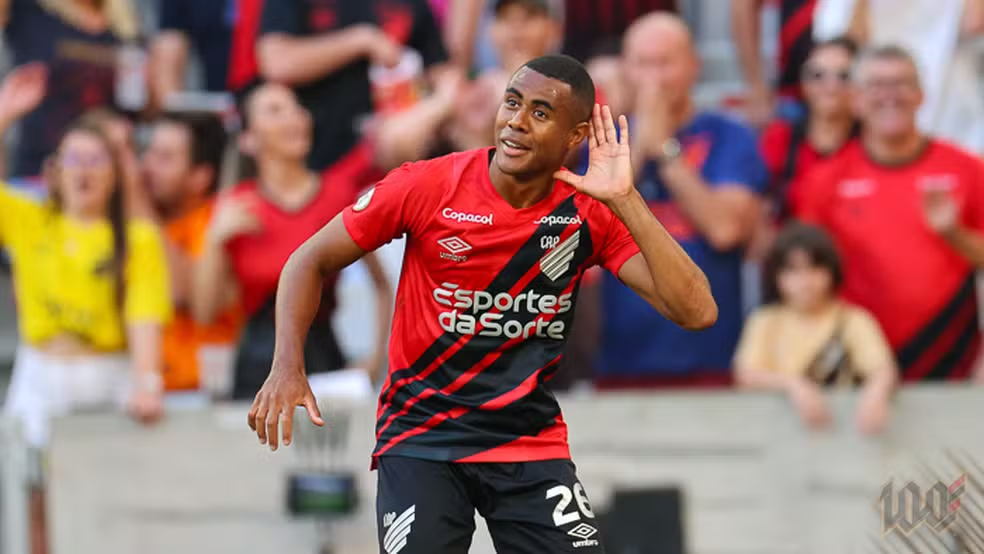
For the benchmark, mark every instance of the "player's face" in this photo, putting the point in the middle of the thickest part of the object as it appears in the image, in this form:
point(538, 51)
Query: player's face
point(167, 164)
point(888, 97)
point(536, 125)
point(804, 285)
point(86, 174)
point(279, 124)
point(826, 81)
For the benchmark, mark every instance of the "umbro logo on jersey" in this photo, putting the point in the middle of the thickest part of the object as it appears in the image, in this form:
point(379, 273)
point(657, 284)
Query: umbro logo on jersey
point(454, 246)
point(462, 217)
point(398, 529)
point(558, 220)
point(556, 262)
point(584, 532)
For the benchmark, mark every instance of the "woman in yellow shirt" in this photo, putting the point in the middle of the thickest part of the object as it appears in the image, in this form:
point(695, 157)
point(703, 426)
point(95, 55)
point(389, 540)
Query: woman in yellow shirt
point(91, 285)
point(806, 338)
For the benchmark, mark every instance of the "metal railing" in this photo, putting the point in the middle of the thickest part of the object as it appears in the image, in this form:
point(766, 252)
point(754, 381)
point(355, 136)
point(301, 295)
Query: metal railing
point(14, 491)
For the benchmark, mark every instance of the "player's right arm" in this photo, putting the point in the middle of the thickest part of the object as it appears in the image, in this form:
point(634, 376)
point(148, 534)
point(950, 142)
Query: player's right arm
point(396, 206)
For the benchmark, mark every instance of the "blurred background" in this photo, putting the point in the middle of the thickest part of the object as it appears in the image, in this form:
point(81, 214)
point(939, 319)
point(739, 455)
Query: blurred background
point(819, 159)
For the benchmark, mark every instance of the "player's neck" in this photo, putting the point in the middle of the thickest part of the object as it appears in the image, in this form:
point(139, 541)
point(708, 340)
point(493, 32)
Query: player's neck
point(894, 151)
point(520, 193)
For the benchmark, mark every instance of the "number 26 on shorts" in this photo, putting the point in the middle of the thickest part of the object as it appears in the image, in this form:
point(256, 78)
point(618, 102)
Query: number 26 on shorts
point(563, 517)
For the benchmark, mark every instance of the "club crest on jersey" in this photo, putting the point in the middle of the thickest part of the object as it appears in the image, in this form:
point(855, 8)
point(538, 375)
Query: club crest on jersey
point(555, 263)
point(363, 201)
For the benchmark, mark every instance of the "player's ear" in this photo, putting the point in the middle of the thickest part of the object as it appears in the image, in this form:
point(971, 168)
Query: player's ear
point(579, 134)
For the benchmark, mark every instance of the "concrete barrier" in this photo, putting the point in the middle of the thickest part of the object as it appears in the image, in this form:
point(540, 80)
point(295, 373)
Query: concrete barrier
point(754, 481)
point(13, 490)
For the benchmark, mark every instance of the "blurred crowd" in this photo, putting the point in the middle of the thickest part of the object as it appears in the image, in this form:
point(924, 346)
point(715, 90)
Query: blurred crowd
point(145, 220)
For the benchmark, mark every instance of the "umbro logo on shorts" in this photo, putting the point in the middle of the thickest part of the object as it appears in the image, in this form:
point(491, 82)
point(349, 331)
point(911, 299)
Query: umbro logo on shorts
point(397, 529)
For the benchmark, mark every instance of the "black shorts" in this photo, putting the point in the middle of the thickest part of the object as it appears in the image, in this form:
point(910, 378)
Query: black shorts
point(426, 507)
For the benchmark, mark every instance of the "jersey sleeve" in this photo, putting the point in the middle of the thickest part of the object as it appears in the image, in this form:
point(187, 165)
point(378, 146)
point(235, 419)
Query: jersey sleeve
point(774, 147)
point(618, 245)
point(868, 348)
point(392, 208)
point(148, 294)
point(19, 215)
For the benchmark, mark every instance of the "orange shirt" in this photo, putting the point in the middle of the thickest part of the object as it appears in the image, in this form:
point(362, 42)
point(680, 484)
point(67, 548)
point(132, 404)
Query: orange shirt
point(183, 337)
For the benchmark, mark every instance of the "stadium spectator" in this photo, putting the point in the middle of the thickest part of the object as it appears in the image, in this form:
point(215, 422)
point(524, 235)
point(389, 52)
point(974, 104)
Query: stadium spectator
point(939, 34)
point(701, 174)
point(185, 26)
point(91, 286)
point(79, 42)
point(795, 42)
point(181, 168)
point(793, 148)
point(907, 214)
point(806, 338)
point(460, 116)
point(325, 54)
point(260, 223)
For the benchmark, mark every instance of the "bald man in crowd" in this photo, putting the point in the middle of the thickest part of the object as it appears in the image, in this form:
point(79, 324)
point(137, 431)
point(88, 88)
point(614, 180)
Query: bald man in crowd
point(702, 176)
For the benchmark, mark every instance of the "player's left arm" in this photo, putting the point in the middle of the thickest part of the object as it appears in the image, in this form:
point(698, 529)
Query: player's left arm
point(681, 292)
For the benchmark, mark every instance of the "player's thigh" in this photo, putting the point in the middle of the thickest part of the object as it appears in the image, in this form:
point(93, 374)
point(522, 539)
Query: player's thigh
point(422, 508)
point(541, 508)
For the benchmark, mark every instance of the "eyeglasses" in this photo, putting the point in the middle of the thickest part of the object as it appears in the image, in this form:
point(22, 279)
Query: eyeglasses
point(890, 85)
point(814, 74)
point(80, 161)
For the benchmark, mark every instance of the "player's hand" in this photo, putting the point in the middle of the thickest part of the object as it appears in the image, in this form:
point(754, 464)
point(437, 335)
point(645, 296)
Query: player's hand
point(941, 211)
point(285, 389)
point(810, 403)
point(22, 91)
point(233, 217)
point(609, 175)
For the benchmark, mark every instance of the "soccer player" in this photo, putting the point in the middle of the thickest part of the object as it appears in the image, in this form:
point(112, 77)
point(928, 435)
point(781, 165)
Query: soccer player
point(497, 243)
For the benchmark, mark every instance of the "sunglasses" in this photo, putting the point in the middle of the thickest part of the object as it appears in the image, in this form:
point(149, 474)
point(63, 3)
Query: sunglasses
point(816, 75)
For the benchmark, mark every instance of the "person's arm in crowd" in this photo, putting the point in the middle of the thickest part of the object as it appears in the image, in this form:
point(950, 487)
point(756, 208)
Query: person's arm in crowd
point(661, 272)
point(972, 23)
point(146, 356)
point(21, 91)
point(943, 215)
point(746, 30)
point(872, 356)
point(4, 12)
point(409, 135)
point(383, 289)
point(181, 268)
point(295, 60)
point(461, 29)
point(214, 286)
point(169, 63)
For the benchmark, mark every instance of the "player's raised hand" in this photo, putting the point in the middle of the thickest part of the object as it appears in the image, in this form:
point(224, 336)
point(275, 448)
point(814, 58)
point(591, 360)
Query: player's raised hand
point(285, 389)
point(609, 174)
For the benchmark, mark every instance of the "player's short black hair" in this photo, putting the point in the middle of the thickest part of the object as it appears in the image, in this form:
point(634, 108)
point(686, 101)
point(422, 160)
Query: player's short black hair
point(568, 70)
point(208, 140)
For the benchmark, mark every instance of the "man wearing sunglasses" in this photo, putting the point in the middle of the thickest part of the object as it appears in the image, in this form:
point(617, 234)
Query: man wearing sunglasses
point(907, 213)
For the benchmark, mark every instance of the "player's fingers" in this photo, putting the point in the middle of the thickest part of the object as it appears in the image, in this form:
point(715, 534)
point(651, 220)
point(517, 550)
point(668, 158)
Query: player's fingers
point(623, 125)
point(251, 418)
point(597, 125)
point(288, 425)
point(273, 426)
point(311, 405)
point(609, 125)
point(592, 137)
point(260, 422)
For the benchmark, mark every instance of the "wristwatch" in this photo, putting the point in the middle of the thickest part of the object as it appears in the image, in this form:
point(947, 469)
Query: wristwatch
point(669, 152)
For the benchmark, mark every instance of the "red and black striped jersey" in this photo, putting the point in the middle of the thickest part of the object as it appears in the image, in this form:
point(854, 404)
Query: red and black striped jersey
point(483, 309)
point(795, 42)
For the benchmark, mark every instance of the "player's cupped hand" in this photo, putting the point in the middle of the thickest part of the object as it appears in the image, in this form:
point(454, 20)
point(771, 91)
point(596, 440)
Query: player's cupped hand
point(273, 410)
point(609, 174)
